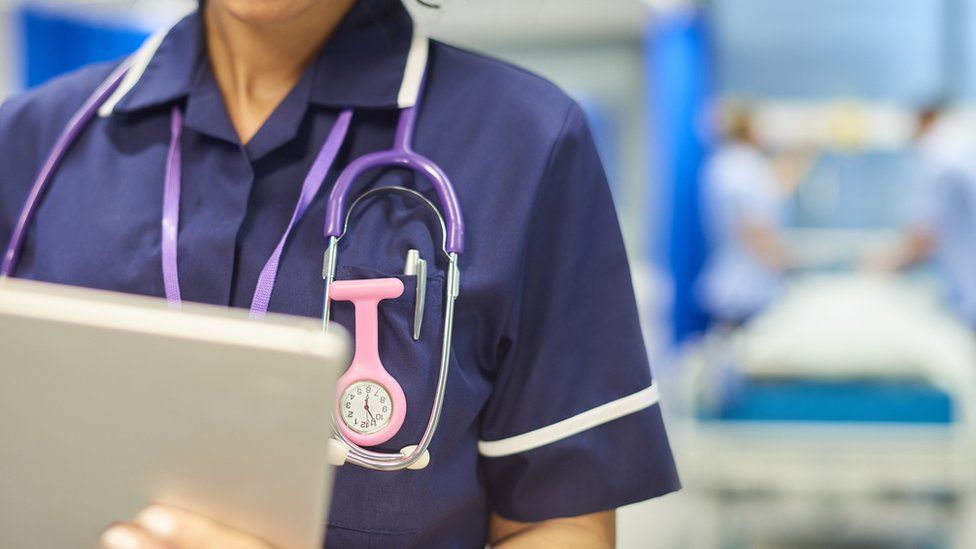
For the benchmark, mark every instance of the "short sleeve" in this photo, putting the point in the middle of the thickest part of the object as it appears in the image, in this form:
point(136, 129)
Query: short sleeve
point(573, 425)
point(751, 193)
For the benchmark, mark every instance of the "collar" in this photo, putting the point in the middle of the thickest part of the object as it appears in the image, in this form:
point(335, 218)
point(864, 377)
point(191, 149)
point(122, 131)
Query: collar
point(374, 60)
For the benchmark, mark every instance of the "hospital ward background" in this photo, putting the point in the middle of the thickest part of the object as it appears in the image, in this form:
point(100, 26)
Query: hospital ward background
point(796, 181)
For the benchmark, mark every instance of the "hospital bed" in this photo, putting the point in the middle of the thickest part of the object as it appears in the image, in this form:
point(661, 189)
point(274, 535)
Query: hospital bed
point(853, 396)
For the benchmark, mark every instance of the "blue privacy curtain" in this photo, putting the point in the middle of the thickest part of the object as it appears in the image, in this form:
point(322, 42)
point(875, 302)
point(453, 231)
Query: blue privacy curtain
point(55, 41)
point(679, 88)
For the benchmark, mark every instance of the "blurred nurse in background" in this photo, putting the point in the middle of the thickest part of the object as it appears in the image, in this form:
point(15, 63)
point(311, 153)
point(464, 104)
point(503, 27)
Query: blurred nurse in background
point(943, 224)
point(744, 202)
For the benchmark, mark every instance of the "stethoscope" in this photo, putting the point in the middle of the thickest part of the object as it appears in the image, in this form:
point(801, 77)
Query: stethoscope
point(366, 371)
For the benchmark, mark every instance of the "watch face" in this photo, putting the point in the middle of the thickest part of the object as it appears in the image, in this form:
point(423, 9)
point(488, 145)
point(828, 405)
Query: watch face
point(366, 407)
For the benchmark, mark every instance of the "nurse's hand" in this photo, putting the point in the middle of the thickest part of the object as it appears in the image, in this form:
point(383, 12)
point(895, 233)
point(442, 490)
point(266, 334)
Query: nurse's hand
point(160, 527)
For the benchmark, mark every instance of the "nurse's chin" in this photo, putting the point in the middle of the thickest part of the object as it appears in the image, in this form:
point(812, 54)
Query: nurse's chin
point(274, 12)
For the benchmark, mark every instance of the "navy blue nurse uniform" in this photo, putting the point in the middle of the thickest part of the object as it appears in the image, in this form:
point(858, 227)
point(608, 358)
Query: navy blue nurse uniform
point(550, 409)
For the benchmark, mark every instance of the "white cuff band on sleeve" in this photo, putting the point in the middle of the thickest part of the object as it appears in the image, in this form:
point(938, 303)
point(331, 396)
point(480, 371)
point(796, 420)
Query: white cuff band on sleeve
point(571, 426)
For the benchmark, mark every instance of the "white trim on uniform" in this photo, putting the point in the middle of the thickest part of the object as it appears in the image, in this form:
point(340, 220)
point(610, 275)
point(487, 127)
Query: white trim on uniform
point(568, 427)
point(413, 73)
point(140, 60)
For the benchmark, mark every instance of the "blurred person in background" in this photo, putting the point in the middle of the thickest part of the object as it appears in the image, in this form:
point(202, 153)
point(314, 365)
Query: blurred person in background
point(744, 202)
point(943, 217)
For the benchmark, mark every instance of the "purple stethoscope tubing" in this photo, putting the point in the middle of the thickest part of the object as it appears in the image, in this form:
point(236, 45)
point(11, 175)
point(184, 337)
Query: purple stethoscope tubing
point(401, 155)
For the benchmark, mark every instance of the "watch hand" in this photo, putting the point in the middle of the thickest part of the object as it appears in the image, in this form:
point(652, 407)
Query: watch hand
point(367, 409)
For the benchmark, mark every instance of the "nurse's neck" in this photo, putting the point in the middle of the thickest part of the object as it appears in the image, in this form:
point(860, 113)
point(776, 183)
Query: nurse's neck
point(259, 53)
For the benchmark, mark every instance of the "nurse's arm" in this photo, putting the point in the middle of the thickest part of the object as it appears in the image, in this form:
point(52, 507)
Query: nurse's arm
point(766, 244)
point(915, 246)
point(596, 531)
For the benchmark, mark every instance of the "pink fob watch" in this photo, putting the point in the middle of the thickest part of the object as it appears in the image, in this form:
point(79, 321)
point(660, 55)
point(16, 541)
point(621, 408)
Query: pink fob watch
point(370, 404)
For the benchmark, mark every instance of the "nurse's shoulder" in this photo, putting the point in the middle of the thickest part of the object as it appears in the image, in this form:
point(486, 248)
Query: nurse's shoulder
point(500, 104)
point(30, 122)
point(490, 80)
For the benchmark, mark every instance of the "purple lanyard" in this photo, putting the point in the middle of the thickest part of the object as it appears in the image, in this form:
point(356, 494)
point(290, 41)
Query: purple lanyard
point(171, 211)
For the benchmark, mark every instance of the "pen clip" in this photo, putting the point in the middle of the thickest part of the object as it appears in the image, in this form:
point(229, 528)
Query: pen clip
point(415, 266)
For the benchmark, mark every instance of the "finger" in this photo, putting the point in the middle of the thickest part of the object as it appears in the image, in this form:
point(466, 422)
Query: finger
point(128, 536)
point(185, 530)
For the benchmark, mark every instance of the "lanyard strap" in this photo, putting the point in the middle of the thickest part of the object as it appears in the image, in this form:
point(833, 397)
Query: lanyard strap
point(310, 188)
point(171, 211)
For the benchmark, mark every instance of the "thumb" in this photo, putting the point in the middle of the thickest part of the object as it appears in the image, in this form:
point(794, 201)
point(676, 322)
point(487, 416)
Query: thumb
point(182, 529)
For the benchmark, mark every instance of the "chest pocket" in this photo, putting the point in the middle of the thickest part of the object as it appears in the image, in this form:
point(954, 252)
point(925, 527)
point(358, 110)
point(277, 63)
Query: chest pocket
point(393, 502)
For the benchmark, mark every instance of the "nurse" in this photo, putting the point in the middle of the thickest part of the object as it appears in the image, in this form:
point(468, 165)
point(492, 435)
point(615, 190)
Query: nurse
point(744, 202)
point(943, 224)
point(551, 418)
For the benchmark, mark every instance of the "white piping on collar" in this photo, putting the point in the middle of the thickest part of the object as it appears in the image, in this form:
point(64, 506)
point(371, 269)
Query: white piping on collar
point(413, 73)
point(566, 428)
point(140, 60)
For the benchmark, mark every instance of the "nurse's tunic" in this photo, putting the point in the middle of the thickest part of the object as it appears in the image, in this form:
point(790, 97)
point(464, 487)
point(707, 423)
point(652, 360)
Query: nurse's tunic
point(550, 408)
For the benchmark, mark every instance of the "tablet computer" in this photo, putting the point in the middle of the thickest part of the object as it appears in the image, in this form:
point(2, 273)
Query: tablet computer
point(110, 402)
